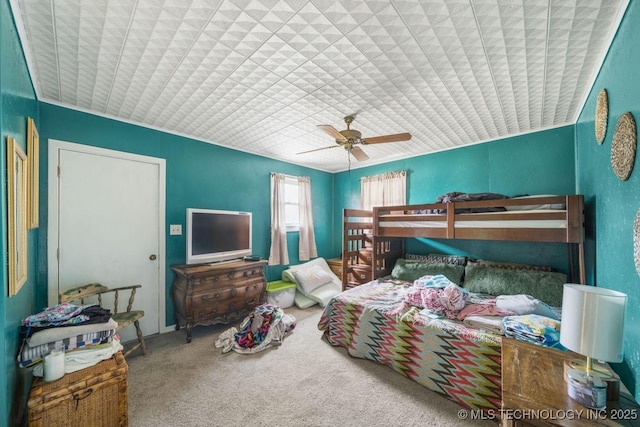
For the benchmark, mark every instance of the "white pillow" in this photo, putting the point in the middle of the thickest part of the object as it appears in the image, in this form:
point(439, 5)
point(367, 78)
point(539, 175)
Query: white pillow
point(322, 294)
point(311, 278)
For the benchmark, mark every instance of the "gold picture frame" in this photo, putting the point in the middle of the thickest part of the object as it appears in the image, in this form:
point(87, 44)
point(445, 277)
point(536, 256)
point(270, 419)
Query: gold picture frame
point(17, 215)
point(33, 155)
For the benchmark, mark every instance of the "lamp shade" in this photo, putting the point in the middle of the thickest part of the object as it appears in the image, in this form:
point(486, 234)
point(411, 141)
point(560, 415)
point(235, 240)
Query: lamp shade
point(592, 321)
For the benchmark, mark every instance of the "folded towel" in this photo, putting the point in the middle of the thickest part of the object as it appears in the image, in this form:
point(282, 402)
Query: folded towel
point(533, 328)
point(57, 334)
point(524, 304)
point(488, 323)
point(479, 309)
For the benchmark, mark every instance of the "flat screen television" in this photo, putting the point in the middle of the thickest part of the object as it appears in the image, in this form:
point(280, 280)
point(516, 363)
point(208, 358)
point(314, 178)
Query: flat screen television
point(217, 235)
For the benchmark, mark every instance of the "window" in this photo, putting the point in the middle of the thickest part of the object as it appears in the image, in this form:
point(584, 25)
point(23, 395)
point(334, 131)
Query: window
point(291, 210)
point(387, 189)
point(291, 206)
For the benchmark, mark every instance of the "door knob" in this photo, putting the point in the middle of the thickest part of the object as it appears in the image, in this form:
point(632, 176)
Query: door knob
point(152, 257)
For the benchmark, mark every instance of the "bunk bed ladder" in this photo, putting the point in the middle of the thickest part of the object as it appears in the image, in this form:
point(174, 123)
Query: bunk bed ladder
point(364, 256)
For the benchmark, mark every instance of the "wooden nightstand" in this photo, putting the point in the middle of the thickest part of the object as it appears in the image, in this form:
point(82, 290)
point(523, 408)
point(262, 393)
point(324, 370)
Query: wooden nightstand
point(534, 391)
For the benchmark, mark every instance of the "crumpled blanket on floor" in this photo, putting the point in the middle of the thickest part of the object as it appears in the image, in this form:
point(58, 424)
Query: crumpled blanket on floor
point(265, 327)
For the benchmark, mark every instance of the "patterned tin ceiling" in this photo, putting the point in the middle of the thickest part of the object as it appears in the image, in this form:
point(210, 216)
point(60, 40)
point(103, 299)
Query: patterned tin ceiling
point(259, 75)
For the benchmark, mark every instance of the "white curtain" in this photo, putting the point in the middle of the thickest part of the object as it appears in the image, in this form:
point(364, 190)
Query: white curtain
point(278, 254)
point(307, 246)
point(387, 189)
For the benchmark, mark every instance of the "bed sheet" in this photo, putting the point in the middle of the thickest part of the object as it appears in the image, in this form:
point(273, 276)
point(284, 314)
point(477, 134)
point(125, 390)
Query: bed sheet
point(446, 356)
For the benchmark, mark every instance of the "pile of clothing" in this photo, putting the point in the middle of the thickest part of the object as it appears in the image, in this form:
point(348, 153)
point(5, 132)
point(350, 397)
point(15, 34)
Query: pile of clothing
point(86, 333)
point(456, 196)
point(520, 316)
point(266, 326)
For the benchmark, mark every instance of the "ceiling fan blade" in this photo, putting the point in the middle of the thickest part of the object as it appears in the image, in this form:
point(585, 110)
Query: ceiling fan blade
point(359, 154)
point(331, 131)
point(318, 149)
point(388, 138)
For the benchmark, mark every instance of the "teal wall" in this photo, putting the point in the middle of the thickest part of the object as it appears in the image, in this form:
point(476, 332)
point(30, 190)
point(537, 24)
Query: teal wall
point(559, 161)
point(17, 102)
point(612, 204)
point(198, 175)
point(538, 163)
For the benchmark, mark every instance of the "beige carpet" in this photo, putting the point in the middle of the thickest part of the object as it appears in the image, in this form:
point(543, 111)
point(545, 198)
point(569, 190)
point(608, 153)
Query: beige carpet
point(303, 382)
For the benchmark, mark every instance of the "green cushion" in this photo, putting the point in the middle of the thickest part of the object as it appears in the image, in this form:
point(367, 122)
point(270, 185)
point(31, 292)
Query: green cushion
point(544, 285)
point(412, 270)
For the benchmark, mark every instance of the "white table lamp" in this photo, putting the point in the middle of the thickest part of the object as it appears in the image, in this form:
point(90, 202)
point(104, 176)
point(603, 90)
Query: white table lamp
point(592, 325)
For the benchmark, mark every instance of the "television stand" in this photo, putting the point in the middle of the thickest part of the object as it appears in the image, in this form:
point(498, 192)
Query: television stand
point(224, 292)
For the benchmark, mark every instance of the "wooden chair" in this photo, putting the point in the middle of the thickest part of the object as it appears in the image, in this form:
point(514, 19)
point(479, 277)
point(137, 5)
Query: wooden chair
point(124, 318)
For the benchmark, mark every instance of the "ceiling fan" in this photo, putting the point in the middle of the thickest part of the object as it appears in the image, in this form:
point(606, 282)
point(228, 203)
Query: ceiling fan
point(349, 139)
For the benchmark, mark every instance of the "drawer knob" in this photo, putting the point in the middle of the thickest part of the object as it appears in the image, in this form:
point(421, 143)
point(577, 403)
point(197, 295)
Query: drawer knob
point(211, 297)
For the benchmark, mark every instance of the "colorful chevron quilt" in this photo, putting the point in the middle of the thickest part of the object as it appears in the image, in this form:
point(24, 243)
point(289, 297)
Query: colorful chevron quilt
point(444, 355)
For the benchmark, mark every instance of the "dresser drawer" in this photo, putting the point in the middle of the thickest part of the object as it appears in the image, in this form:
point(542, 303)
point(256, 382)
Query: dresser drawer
point(361, 274)
point(231, 307)
point(225, 292)
point(365, 256)
point(214, 281)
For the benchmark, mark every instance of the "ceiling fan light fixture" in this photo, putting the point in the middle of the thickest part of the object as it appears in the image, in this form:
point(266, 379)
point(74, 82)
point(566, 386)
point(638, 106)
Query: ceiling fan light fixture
point(350, 138)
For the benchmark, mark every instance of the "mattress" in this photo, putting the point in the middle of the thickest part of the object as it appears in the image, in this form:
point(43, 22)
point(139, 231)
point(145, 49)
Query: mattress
point(471, 223)
point(446, 356)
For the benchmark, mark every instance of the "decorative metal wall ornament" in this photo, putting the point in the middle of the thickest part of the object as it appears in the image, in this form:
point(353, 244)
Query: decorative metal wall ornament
point(602, 115)
point(636, 241)
point(623, 147)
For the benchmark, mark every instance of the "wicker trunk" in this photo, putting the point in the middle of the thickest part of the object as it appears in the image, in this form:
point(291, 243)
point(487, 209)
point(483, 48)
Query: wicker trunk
point(95, 396)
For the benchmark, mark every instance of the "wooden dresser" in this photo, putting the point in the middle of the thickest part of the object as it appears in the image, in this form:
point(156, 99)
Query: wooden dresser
point(94, 396)
point(206, 294)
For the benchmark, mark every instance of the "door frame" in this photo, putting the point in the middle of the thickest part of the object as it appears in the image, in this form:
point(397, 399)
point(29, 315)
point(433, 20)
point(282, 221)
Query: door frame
point(53, 209)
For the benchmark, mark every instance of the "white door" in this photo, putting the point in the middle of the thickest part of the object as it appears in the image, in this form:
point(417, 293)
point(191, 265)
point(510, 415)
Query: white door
point(109, 227)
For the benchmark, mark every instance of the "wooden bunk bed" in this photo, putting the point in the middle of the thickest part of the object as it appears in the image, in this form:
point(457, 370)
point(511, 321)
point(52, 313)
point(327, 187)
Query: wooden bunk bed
point(552, 219)
point(443, 354)
point(373, 240)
